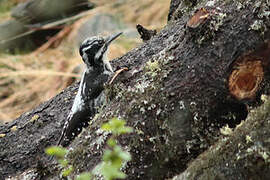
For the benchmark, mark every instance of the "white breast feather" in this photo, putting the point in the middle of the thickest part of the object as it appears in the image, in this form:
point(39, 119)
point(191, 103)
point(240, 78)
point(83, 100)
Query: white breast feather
point(78, 103)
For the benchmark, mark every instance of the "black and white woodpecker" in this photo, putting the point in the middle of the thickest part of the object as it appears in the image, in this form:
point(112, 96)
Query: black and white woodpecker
point(90, 95)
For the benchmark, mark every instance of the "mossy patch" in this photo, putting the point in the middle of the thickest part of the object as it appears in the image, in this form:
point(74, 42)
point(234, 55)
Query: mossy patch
point(140, 96)
point(14, 128)
point(143, 101)
point(34, 118)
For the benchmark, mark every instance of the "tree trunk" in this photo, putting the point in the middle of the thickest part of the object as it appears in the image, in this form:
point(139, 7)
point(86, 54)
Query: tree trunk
point(201, 72)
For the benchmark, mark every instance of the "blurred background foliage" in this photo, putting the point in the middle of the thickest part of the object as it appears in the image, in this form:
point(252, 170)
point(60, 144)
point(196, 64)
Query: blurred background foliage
point(46, 60)
point(6, 5)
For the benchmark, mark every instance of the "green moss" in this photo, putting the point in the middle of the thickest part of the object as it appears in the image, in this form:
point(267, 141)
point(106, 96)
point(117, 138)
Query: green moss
point(139, 97)
point(226, 130)
point(143, 98)
point(258, 25)
point(152, 66)
point(14, 128)
point(208, 31)
point(260, 10)
point(34, 118)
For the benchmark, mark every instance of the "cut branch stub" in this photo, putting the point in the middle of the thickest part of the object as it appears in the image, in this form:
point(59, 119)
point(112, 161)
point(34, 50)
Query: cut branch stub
point(145, 34)
point(248, 73)
point(198, 18)
point(244, 81)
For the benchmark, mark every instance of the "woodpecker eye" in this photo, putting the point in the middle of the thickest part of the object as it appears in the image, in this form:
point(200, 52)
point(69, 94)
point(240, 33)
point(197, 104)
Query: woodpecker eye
point(91, 50)
point(100, 42)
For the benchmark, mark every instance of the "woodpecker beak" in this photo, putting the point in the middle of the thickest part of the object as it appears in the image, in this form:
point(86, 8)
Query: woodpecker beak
point(105, 46)
point(108, 41)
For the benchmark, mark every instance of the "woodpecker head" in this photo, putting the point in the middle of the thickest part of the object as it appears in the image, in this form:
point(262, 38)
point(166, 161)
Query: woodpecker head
point(93, 52)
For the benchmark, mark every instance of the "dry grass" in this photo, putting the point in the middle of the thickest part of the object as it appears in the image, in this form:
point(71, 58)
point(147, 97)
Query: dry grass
point(28, 80)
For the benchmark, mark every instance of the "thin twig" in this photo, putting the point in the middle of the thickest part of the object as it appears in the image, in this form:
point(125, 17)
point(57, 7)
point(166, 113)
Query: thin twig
point(38, 73)
point(117, 73)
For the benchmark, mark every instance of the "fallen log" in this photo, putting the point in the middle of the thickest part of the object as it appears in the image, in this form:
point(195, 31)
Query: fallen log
point(243, 153)
point(205, 70)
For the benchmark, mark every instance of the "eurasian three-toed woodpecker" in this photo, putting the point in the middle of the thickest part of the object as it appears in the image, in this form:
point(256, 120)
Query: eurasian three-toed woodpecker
point(90, 95)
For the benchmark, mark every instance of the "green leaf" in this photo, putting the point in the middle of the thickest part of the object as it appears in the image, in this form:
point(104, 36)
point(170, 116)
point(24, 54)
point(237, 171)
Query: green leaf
point(111, 157)
point(107, 155)
point(125, 156)
point(67, 171)
point(84, 176)
point(111, 172)
point(117, 127)
point(63, 162)
point(111, 142)
point(125, 130)
point(59, 152)
point(97, 169)
point(106, 127)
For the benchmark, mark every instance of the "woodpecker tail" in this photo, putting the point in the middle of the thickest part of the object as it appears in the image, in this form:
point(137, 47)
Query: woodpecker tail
point(63, 133)
point(61, 138)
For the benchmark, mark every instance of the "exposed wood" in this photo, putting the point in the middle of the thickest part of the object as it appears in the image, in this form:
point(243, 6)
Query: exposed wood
point(244, 82)
point(248, 73)
point(198, 18)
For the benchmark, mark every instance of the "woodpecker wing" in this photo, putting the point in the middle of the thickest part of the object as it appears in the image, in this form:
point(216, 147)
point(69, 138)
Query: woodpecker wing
point(87, 101)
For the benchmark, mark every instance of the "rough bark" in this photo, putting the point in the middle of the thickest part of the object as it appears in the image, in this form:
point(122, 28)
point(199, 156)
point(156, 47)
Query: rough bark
point(173, 6)
point(176, 95)
point(243, 153)
point(25, 138)
point(179, 7)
